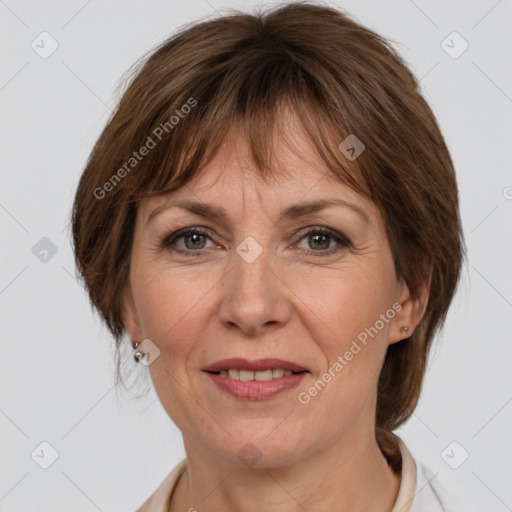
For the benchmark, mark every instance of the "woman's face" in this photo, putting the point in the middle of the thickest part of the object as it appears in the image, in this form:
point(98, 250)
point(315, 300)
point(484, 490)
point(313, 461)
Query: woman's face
point(255, 284)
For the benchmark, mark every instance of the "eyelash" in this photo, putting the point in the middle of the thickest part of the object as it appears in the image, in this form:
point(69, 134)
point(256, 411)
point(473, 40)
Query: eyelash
point(169, 240)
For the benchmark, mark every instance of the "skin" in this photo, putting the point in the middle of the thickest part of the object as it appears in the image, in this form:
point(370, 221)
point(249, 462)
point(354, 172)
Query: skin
point(305, 308)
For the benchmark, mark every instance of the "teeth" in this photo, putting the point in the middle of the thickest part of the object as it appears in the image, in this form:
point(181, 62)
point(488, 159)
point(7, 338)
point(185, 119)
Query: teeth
point(234, 374)
point(246, 375)
point(260, 375)
point(263, 375)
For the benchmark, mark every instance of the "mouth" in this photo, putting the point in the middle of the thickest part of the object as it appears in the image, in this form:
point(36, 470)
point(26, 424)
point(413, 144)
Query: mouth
point(255, 380)
point(260, 375)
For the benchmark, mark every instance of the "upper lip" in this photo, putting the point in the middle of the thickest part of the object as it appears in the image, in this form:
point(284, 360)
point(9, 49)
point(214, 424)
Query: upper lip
point(257, 364)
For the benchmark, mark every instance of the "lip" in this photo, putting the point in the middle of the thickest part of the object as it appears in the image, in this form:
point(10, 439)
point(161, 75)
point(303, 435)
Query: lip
point(255, 390)
point(258, 364)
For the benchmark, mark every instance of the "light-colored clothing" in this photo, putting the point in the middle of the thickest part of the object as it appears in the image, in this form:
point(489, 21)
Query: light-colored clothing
point(419, 491)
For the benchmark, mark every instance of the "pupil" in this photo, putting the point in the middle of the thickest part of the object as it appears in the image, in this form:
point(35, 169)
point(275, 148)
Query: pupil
point(195, 237)
point(317, 237)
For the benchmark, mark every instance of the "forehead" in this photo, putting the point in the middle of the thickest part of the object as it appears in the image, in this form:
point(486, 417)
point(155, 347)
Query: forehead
point(296, 174)
point(233, 167)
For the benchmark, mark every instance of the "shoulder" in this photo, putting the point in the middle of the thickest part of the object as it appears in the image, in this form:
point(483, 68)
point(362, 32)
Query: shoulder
point(159, 500)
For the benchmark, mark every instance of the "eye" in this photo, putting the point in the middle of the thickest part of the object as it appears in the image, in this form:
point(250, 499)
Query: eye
point(320, 239)
point(195, 240)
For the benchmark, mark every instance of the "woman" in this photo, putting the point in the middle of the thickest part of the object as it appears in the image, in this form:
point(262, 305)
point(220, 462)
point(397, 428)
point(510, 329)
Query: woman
point(271, 216)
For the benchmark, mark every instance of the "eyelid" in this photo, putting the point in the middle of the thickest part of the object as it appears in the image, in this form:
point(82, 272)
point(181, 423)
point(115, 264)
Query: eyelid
point(172, 237)
point(322, 229)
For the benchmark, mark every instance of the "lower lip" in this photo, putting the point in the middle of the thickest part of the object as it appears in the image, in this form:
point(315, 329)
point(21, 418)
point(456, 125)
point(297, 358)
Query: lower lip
point(254, 389)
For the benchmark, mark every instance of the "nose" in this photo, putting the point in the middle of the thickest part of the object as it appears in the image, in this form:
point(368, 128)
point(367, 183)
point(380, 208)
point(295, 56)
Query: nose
point(255, 297)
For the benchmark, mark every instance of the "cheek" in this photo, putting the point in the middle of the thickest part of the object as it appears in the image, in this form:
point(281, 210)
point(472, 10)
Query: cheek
point(171, 307)
point(350, 304)
point(160, 299)
point(172, 316)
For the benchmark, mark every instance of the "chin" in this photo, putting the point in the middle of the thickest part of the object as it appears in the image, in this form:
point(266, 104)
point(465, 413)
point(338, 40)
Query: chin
point(263, 447)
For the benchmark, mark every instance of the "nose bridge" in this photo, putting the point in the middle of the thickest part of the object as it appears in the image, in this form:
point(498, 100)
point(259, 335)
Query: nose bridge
point(253, 296)
point(251, 265)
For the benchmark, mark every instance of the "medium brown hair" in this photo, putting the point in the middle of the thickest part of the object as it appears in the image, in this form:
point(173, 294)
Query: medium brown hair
point(340, 78)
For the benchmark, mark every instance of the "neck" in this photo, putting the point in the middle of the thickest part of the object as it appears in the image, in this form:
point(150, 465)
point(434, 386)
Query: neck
point(346, 477)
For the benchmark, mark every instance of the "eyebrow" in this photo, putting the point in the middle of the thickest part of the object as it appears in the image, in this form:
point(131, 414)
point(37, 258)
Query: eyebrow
point(294, 211)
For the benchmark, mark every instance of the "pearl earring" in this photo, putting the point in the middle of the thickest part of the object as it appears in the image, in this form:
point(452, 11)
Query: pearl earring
point(137, 353)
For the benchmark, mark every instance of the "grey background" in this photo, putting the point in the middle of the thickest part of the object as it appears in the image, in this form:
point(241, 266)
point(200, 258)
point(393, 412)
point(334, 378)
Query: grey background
point(56, 376)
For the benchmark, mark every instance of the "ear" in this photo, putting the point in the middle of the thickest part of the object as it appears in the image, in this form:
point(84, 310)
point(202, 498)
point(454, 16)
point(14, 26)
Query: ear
point(129, 315)
point(410, 313)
